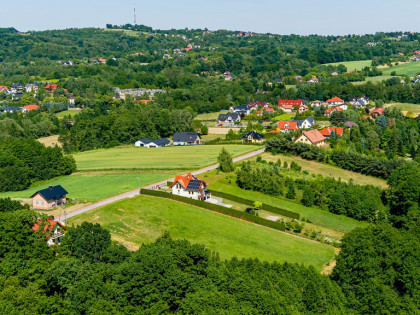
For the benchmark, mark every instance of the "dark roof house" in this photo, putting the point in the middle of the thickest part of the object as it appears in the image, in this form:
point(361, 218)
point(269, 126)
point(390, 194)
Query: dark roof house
point(52, 192)
point(186, 138)
point(252, 136)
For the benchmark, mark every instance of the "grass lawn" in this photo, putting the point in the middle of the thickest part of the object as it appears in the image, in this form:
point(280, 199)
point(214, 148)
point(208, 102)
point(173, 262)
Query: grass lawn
point(92, 187)
point(415, 108)
point(50, 141)
point(72, 113)
point(209, 116)
point(374, 79)
point(411, 69)
point(325, 169)
point(131, 157)
point(142, 219)
point(352, 65)
point(285, 117)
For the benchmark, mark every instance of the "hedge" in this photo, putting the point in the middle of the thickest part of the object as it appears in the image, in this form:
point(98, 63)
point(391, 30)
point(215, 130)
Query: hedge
point(248, 202)
point(216, 208)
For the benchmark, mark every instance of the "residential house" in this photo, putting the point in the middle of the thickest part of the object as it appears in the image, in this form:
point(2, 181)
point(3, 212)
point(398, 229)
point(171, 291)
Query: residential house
point(328, 112)
point(16, 87)
point(186, 138)
point(294, 103)
point(334, 73)
point(102, 60)
point(147, 143)
point(4, 89)
point(253, 137)
point(16, 95)
point(286, 126)
point(303, 108)
point(51, 87)
point(49, 198)
point(329, 131)
point(191, 187)
point(359, 101)
point(29, 108)
point(316, 103)
point(53, 230)
point(255, 105)
point(267, 109)
point(31, 88)
point(312, 137)
point(287, 108)
point(350, 124)
point(335, 101)
point(278, 81)
point(313, 80)
point(241, 109)
point(305, 124)
point(229, 118)
point(72, 100)
point(376, 112)
point(11, 109)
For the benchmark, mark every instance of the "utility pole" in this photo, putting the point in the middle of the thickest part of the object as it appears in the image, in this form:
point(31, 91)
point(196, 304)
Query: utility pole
point(139, 184)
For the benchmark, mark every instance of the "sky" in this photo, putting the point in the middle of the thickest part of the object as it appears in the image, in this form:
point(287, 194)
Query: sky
point(325, 17)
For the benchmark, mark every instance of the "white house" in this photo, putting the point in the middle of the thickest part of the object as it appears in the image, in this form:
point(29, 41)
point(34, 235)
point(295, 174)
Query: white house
point(305, 124)
point(191, 187)
point(229, 118)
point(186, 138)
point(147, 143)
point(53, 231)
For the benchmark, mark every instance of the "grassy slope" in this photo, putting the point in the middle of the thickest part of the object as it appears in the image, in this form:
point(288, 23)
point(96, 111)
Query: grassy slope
point(142, 219)
point(410, 69)
point(93, 187)
point(353, 65)
point(415, 108)
point(130, 157)
point(373, 79)
point(326, 170)
point(50, 141)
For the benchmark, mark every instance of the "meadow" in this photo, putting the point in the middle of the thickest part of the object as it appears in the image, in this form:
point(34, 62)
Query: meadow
point(415, 108)
point(284, 117)
point(180, 158)
point(411, 69)
point(209, 116)
point(352, 65)
point(92, 187)
point(379, 78)
point(50, 141)
point(142, 219)
point(72, 113)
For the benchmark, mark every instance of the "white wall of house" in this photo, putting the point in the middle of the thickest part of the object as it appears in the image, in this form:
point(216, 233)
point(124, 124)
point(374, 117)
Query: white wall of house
point(177, 189)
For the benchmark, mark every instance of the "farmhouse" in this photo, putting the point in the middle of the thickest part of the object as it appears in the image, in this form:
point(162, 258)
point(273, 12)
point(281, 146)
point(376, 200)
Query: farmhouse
point(330, 131)
point(229, 118)
point(313, 137)
point(252, 137)
point(146, 142)
point(49, 198)
point(186, 138)
point(191, 187)
point(286, 126)
point(53, 230)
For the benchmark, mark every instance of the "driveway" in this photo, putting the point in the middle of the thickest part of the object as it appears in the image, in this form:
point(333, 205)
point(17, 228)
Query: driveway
point(218, 201)
point(135, 192)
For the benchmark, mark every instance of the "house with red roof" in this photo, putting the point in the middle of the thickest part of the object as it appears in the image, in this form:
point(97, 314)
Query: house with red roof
point(330, 110)
point(312, 137)
point(53, 230)
point(329, 131)
point(51, 87)
point(29, 108)
point(268, 109)
point(286, 126)
point(4, 88)
point(102, 60)
point(377, 112)
point(191, 187)
point(313, 80)
point(303, 108)
point(335, 101)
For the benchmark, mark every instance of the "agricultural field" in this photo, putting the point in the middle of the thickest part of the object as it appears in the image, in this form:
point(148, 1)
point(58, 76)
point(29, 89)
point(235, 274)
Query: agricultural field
point(325, 170)
point(226, 183)
point(92, 187)
point(209, 116)
point(374, 79)
point(415, 108)
point(411, 69)
point(352, 65)
point(131, 157)
point(72, 113)
point(143, 219)
point(50, 141)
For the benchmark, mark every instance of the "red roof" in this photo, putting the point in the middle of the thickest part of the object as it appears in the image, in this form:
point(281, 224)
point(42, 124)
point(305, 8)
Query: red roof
point(335, 99)
point(2, 87)
point(287, 125)
point(294, 103)
point(257, 104)
point(51, 87)
point(266, 109)
point(378, 111)
point(102, 60)
point(31, 107)
point(49, 225)
point(327, 131)
point(313, 135)
point(184, 180)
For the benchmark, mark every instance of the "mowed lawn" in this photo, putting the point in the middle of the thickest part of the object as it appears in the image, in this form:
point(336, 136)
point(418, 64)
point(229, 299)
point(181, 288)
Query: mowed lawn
point(284, 117)
point(325, 170)
point(72, 113)
point(411, 69)
point(143, 219)
point(131, 157)
point(92, 187)
point(352, 65)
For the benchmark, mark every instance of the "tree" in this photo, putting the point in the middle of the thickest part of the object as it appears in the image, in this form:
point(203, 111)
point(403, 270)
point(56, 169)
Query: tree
point(382, 121)
point(291, 193)
point(225, 161)
point(204, 130)
point(337, 118)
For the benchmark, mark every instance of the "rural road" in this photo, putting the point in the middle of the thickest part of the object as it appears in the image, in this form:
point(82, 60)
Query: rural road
point(135, 192)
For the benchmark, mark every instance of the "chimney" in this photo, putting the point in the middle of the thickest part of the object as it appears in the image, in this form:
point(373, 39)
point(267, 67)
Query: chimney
point(51, 187)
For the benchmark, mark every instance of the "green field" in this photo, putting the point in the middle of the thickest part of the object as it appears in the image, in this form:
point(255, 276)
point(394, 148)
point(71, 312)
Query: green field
point(142, 219)
point(374, 79)
point(93, 187)
point(352, 65)
point(415, 108)
point(72, 113)
point(411, 69)
point(131, 157)
point(285, 117)
point(209, 116)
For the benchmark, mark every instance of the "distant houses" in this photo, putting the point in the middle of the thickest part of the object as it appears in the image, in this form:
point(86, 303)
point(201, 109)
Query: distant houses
point(147, 143)
point(186, 138)
point(11, 109)
point(29, 108)
point(49, 198)
point(191, 187)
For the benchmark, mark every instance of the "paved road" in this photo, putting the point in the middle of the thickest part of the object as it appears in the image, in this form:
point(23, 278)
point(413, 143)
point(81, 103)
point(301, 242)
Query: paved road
point(135, 192)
